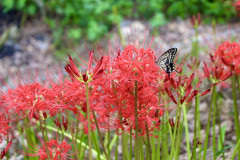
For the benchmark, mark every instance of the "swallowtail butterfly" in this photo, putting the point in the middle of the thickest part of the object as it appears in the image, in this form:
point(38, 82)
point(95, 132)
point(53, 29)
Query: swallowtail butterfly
point(166, 61)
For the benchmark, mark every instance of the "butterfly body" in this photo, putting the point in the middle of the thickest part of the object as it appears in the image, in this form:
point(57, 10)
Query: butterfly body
point(166, 60)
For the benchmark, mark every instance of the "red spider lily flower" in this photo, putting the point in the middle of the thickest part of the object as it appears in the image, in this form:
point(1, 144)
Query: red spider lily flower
point(194, 64)
point(196, 21)
point(130, 67)
point(185, 90)
point(54, 148)
point(72, 70)
point(229, 53)
point(84, 123)
point(4, 152)
point(216, 74)
point(236, 5)
point(170, 95)
point(57, 123)
point(27, 100)
point(65, 123)
point(3, 126)
point(198, 142)
point(172, 123)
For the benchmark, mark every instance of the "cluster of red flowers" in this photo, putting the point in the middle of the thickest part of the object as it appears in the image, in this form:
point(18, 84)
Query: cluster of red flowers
point(237, 7)
point(229, 53)
point(54, 149)
point(117, 85)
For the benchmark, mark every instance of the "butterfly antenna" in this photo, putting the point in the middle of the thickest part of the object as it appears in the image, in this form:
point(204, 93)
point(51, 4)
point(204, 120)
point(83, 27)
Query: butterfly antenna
point(176, 71)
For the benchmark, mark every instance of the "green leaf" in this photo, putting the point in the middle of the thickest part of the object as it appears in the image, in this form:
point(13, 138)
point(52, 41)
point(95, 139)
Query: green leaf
point(95, 30)
point(158, 20)
point(31, 9)
point(223, 132)
point(21, 4)
point(51, 22)
point(8, 5)
point(75, 33)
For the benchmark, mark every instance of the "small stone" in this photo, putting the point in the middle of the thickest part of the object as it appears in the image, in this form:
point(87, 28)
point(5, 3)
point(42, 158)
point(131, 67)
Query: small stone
point(203, 107)
point(228, 124)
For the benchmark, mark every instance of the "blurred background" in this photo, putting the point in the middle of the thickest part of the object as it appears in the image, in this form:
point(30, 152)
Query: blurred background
point(37, 33)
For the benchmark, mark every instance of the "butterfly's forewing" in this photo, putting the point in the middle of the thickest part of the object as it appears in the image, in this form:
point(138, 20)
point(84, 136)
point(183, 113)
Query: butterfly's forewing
point(166, 60)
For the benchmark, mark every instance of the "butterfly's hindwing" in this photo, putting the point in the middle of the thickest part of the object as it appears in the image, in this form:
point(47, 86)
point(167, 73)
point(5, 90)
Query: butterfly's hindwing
point(166, 60)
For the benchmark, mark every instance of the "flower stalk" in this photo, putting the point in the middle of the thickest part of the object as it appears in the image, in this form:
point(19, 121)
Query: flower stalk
point(186, 130)
point(100, 135)
point(89, 124)
point(137, 149)
point(208, 122)
point(236, 120)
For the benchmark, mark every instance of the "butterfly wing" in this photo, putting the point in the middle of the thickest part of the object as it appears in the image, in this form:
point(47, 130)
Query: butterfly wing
point(165, 61)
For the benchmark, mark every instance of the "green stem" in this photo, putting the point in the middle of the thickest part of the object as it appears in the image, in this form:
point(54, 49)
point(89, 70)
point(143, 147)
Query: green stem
point(141, 148)
point(174, 133)
point(238, 79)
point(164, 140)
point(169, 127)
point(89, 124)
point(198, 125)
point(179, 134)
point(95, 143)
point(108, 145)
point(158, 149)
point(125, 147)
point(72, 134)
point(177, 117)
point(186, 130)
point(46, 131)
point(194, 155)
point(44, 139)
point(100, 135)
point(120, 119)
point(219, 130)
point(148, 143)
point(136, 123)
point(235, 150)
point(112, 143)
point(214, 123)
point(208, 123)
point(115, 13)
point(131, 143)
point(116, 149)
point(7, 154)
point(236, 120)
point(70, 137)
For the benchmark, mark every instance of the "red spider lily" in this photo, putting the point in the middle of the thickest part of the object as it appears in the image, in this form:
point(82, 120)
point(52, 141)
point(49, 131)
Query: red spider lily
point(194, 64)
point(72, 70)
point(64, 123)
point(57, 150)
point(216, 74)
point(27, 100)
point(229, 53)
point(4, 152)
point(172, 123)
point(237, 7)
point(36, 100)
point(84, 123)
point(196, 21)
point(184, 89)
point(3, 125)
point(134, 66)
point(198, 142)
